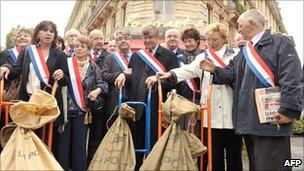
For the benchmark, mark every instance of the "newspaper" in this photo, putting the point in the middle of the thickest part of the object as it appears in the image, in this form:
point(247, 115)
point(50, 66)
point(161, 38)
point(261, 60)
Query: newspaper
point(268, 103)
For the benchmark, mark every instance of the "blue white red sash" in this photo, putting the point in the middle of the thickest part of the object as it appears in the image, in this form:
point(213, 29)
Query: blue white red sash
point(190, 82)
point(39, 64)
point(122, 62)
point(76, 89)
point(209, 53)
point(150, 59)
point(258, 66)
point(13, 53)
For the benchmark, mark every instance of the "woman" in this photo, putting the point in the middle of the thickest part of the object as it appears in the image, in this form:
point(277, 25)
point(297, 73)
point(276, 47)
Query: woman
point(85, 89)
point(191, 40)
point(40, 65)
point(23, 38)
point(224, 139)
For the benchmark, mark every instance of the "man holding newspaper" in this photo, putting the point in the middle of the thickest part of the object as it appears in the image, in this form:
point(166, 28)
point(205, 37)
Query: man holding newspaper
point(266, 60)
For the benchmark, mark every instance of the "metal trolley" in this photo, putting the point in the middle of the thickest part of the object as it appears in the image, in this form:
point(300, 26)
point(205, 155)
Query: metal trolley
point(147, 106)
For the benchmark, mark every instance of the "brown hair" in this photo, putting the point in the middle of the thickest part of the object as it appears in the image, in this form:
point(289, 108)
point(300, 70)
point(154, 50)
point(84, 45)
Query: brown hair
point(150, 29)
point(191, 33)
point(42, 25)
point(85, 40)
point(60, 39)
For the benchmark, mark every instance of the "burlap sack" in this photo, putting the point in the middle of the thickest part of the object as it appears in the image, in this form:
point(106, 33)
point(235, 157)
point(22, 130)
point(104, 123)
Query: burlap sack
point(196, 147)
point(116, 151)
point(39, 110)
point(25, 151)
point(176, 106)
point(171, 152)
point(6, 133)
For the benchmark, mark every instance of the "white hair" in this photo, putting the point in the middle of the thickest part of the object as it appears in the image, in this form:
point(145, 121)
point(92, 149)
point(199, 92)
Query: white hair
point(72, 31)
point(172, 30)
point(123, 32)
point(253, 15)
point(95, 31)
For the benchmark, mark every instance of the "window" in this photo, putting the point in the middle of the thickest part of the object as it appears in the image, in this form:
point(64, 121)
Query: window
point(164, 7)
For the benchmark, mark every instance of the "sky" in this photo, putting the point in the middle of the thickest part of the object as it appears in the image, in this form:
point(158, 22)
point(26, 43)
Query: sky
point(30, 13)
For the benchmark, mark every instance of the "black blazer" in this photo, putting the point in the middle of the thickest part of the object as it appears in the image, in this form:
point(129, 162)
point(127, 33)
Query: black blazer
point(141, 71)
point(56, 60)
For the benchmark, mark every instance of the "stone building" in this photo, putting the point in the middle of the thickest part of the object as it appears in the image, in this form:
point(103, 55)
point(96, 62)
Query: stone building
point(108, 15)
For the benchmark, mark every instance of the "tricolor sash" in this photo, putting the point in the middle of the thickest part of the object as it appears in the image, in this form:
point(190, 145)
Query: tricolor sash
point(209, 53)
point(13, 53)
point(151, 60)
point(76, 89)
point(39, 64)
point(190, 82)
point(122, 62)
point(258, 66)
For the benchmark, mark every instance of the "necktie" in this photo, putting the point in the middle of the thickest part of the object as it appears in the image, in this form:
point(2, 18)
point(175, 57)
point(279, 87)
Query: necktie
point(71, 51)
point(95, 55)
point(125, 58)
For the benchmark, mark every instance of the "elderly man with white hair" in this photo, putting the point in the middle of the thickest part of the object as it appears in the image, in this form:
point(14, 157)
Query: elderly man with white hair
point(71, 38)
point(98, 52)
point(278, 64)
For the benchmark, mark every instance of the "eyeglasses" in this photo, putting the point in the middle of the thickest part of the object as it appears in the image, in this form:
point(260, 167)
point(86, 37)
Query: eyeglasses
point(122, 38)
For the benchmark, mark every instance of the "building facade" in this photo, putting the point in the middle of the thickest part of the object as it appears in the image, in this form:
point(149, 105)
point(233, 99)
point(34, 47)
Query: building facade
point(109, 15)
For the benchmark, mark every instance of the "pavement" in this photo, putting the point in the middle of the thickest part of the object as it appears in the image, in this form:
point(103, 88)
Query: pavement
point(297, 152)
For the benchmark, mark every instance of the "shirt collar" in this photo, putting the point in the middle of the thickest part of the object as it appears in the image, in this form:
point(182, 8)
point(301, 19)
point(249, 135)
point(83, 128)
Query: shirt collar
point(92, 52)
point(257, 38)
point(175, 50)
point(154, 50)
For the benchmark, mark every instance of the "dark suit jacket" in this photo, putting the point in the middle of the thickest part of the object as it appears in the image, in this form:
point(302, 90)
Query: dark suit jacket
point(56, 60)
point(5, 58)
point(99, 60)
point(141, 71)
point(110, 71)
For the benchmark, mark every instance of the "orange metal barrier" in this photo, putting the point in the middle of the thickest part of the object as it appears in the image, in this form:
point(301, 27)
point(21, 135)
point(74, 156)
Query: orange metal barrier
point(8, 104)
point(207, 108)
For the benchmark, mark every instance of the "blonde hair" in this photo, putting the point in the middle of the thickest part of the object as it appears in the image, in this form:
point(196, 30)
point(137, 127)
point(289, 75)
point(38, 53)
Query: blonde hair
point(218, 28)
point(85, 40)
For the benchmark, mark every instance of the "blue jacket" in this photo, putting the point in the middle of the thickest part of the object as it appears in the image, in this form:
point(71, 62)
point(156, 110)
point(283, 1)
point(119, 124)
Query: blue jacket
point(281, 57)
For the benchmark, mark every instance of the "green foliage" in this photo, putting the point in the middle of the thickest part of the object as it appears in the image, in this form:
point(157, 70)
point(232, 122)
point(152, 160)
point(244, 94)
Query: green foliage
point(8, 39)
point(299, 126)
point(239, 6)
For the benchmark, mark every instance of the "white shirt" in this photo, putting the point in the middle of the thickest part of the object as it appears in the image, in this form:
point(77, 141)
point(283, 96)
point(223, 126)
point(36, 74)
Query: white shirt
point(257, 38)
point(33, 82)
point(222, 95)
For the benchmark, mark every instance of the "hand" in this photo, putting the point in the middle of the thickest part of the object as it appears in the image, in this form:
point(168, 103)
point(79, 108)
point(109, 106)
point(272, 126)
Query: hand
point(207, 65)
point(164, 75)
point(4, 71)
point(282, 119)
point(93, 94)
point(128, 71)
point(120, 80)
point(150, 81)
point(58, 74)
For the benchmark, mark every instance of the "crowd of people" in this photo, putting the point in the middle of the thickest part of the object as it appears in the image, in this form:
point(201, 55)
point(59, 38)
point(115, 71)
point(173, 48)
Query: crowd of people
point(90, 76)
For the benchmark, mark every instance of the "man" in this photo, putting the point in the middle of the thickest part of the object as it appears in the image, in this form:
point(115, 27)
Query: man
point(115, 64)
point(268, 146)
point(71, 38)
point(110, 71)
point(142, 75)
point(112, 46)
point(172, 38)
point(98, 52)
